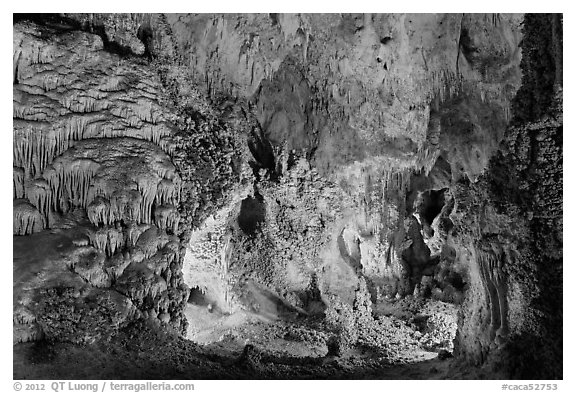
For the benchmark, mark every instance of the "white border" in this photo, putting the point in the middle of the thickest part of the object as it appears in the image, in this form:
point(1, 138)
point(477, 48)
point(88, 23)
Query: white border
point(299, 6)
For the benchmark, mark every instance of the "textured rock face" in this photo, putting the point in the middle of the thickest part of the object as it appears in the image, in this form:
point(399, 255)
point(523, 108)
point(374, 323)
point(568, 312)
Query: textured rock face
point(95, 185)
point(106, 167)
point(371, 79)
point(293, 165)
point(367, 101)
point(517, 210)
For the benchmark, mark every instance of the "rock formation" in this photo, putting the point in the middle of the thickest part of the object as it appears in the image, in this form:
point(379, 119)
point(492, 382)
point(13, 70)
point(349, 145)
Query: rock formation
point(394, 181)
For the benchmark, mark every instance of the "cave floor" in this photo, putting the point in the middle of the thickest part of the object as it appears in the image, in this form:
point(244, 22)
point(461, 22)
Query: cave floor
point(67, 361)
point(142, 351)
point(288, 337)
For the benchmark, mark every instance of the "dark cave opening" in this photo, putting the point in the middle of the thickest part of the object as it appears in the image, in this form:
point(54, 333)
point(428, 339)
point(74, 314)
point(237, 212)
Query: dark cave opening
point(263, 153)
point(292, 159)
point(53, 20)
point(432, 204)
point(197, 297)
point(273, 19)
point(252, 214)
point(457, 281)
point(145, 35)
point(438, 178)
point(466, 45)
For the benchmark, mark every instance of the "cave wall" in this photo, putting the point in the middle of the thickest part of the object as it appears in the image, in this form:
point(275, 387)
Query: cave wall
point(368, 101)
point(517, 207)
point(109, 177)
point(373, 80)
point(314, 84)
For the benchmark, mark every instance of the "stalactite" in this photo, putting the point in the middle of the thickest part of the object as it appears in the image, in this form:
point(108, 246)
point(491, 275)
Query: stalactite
point(152, 240)
point(40, 195)
point(121, 206)
point(148, 193)
point(124, 205)
point(82, 103)
point(116, 264)
point(49, 80)
point(41, 54)
point(172, 251)
point(27, 332)
point(395, 180)
point(133, 233)
point(33, 151)
point(139, 282)
point(18, 180)
point(444, 85)
point(168, 146)
point(426, 159)
point(73, 131)
point(507, 113)
point(27, 219)
point(70, 183)
point(93, 270)
point(134, 205)
point(157, 263)
point(108, 240)
point(98, 211)
point(168, 192)
point(167, 217)
point(23, 316)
